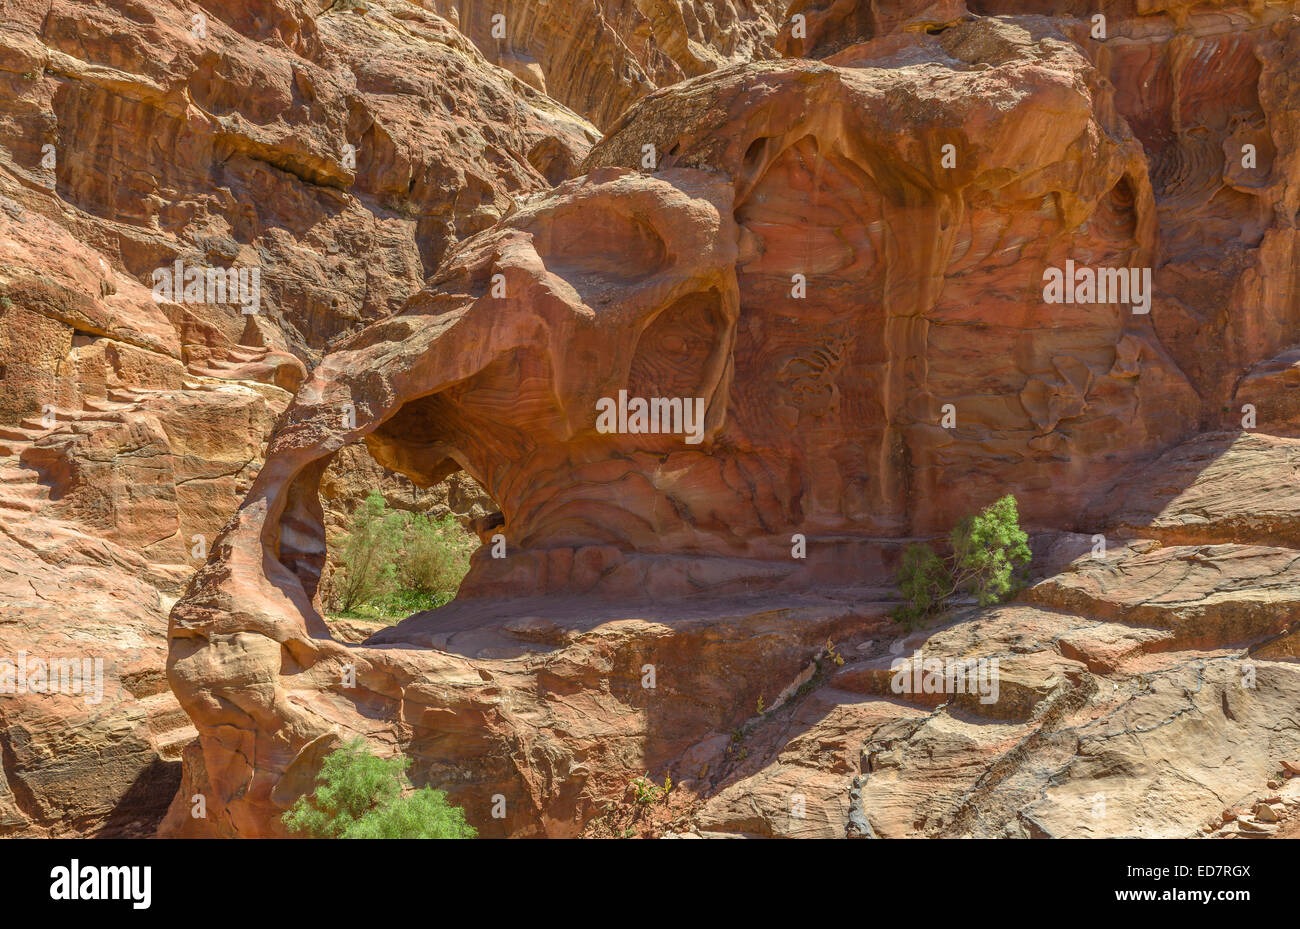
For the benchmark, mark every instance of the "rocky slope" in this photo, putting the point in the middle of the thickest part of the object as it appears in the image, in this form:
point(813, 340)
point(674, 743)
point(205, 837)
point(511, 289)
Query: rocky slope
point(844, 260)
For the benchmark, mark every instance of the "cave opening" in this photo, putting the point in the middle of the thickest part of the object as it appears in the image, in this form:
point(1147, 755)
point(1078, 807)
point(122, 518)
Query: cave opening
point(394, 544)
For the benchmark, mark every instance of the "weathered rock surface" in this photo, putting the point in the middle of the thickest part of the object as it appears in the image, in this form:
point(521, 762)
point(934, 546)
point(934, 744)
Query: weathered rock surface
point(94, 762)
point(938, 299)
point(119, 468)
point(648, 615)
point(598, 58)
point(440, 140)
point(339, 155)
point(1239, 487)
point(1100, 728)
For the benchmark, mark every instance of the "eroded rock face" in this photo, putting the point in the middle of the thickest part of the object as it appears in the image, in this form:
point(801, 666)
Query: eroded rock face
point(948, 270)
point(441, 142)
point(120, 465)
point(1101, 729)
point(446, 340)
point(339, 155)
point(844, 386)
point(598, 58)
point(819, 28)
point(104, 760)
point(822, 416)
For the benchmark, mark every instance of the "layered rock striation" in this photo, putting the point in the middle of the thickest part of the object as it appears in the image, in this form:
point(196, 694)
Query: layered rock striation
point(316, 165)
point(845, 266)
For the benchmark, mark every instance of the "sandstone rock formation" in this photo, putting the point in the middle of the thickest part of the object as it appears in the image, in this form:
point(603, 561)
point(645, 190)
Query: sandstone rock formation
point(266, 179)
point(337, 154)
point(832, 257)
point(839, 255)
point(598, 58)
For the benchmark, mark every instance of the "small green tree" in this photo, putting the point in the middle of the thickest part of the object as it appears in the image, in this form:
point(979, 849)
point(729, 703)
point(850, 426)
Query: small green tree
point(361, 796)
point(924, 582)
point(986, 550)
point(425, 814)
point(373, 540)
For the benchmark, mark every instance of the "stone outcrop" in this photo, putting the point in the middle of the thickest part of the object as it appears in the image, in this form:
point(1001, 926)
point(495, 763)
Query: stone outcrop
point(598, 58)
point(825, 222)
point(949, 291)
point(120, 463)
point(329, 177)
point(811, 260)
point(337, 154)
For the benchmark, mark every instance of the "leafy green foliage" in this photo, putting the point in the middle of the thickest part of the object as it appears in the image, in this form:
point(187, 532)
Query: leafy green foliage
point(987, 547)
point(373, 540)
point(645, 791)
point(395, 563)
point(435, 554)
point(925, 583)
point(986, 551)
point(361, 796)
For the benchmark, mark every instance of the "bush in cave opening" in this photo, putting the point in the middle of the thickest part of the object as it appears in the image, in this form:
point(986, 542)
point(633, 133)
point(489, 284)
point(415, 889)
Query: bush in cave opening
point(394, 562)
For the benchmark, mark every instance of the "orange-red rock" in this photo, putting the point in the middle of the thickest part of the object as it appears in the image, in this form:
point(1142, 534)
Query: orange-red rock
point(916, 170)
point(135, 136)
point(823, 417)
point(598, 58)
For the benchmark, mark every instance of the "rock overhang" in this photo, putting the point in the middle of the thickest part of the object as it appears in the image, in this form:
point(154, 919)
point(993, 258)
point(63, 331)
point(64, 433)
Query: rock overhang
point(1062, 175)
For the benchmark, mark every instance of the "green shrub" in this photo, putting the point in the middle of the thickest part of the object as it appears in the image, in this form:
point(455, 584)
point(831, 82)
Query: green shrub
point(395, 563)
point(435, 555)
point(373, 541)
point(424, 814)
point(361, 796)
point(987, 549)
point(400, 603)
point(924, 582)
